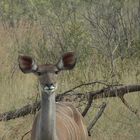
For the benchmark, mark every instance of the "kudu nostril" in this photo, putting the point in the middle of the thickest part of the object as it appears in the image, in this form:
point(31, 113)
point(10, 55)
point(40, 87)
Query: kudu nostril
point(50, 85)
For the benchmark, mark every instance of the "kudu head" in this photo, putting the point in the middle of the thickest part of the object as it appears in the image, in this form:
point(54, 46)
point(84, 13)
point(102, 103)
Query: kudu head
point(47, 73)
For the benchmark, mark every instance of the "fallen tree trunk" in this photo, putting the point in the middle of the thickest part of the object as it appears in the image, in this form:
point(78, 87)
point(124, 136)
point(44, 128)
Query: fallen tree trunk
point(114, 91)
point(111, 91)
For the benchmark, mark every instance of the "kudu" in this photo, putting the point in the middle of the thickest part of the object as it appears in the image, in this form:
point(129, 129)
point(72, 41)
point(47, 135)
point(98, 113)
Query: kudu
point(56, 120)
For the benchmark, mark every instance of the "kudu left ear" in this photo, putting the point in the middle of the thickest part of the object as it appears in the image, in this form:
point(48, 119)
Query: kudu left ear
point(67, 61)
point(27, 64)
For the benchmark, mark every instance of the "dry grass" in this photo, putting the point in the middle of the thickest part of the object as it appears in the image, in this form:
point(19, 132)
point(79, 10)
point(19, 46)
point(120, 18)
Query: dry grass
point(16, 89)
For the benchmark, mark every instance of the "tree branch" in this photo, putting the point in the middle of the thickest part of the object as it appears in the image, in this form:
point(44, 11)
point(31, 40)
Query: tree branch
point(96, 118)
point(135, 111)
point(115, 91)
point(25, 110)
point(90, 101)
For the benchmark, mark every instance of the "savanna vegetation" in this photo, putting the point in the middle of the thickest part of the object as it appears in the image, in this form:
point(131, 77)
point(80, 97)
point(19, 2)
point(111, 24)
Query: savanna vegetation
point(105, 34)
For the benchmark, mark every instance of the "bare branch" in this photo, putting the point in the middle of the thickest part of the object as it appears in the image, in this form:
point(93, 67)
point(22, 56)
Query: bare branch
point(116, 91)
point(96, 118)
point(25, 134)
point(135, 111)
point(87, 84)
point(25, 110)
point(90, 101)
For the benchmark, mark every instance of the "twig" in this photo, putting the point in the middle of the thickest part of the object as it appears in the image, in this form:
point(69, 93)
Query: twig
point(25, 134)
point(96, 118)
point(135, 111)
point(90, 101)
point(87, 84)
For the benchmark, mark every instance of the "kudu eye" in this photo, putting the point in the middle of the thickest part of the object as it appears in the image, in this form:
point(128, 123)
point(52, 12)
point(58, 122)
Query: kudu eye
point(38, 73)
point(56, 72)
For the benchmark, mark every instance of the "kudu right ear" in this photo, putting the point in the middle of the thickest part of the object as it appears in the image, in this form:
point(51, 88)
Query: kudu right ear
point(27, 64)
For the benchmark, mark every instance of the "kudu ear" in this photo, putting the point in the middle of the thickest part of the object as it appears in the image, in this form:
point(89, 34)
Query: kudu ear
point(67, 61)
point(27, 64)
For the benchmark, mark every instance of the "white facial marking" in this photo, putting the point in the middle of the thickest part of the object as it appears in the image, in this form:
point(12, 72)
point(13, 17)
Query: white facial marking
point(34, 66)
point(60, 64)
point(49, 89)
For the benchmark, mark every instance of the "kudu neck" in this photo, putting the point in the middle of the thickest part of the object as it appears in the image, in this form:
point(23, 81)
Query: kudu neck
point(48, 117)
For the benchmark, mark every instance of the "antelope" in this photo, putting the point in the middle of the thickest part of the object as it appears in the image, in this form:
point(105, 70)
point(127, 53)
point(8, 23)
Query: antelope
point(56, 120)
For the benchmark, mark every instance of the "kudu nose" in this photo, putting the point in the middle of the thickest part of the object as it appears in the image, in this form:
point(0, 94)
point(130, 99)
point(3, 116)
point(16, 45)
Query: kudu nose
point(49, 86)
